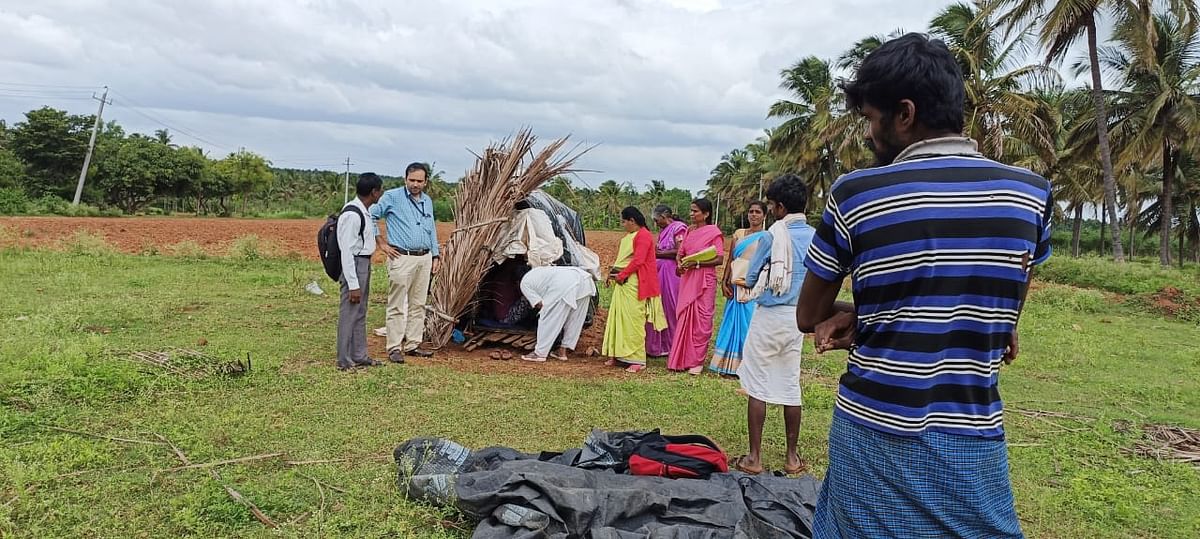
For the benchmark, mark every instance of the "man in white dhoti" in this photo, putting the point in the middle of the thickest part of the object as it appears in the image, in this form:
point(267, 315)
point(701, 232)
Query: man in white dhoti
point(562, 295)
point(770, 369)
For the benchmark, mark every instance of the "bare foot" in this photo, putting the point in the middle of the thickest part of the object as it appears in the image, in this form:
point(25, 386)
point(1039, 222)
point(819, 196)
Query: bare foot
point(635, 368)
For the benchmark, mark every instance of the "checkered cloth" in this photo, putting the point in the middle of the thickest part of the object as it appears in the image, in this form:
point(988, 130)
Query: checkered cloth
point(932, 485)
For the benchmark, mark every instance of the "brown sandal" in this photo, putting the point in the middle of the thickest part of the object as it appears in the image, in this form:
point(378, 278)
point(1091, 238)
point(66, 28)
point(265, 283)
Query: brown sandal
point(738, 464)
point(803, 467)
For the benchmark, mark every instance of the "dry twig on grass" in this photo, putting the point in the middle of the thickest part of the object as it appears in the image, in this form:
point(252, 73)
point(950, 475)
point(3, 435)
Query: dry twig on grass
point(214, 464)
point(503, 176)
point(102, 437)
point(334, 461)
point(1045, 415)
point(237, 496)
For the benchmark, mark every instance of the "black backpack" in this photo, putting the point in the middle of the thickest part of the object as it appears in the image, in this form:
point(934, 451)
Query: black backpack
point(327, 242)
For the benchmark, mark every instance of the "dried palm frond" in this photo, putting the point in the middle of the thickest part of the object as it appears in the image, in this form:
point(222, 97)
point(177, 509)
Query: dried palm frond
point(503, 176)
point(1166, 442)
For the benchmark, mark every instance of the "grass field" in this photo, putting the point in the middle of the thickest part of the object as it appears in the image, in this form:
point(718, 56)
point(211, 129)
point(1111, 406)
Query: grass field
point(1102, 369)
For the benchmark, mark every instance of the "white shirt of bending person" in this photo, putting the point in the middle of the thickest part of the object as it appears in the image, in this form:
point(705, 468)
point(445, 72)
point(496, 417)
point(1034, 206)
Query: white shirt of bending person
point(548, 285)
point(351, 243)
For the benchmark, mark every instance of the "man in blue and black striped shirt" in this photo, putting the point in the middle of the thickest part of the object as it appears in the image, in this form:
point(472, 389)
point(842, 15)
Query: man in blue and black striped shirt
point(939, 243)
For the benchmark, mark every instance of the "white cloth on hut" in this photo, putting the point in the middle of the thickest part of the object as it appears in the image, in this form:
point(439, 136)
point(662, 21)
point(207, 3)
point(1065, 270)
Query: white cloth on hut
point(529, 233)
point(564, 293)
point(583, 257)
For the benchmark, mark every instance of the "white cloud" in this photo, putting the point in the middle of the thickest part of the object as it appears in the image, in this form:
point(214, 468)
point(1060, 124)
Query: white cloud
point(664, 86)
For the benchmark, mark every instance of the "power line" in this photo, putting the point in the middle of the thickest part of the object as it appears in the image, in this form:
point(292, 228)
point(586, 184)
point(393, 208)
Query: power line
point(156, 120)
point(348, 163)
point(19, 96)
point(30, 85)
point(47, 93)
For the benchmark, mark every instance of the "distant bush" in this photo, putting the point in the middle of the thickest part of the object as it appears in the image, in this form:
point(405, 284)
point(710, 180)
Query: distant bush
point(1128, 278)
point(52, 205)
point(443, 210)
point(1147, 286)
point(1071, 299)
point(246, 248)
point(88, 244)
point(188, 249)
point(148, 249)
point(13, 201)
point(286, 214)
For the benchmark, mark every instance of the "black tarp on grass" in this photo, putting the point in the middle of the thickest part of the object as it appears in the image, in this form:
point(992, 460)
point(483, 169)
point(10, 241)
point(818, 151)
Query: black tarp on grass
point(576, 494)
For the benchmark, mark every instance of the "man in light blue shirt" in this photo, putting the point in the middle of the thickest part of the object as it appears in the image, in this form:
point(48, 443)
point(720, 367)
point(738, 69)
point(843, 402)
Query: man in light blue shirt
point(413, 257)
point(770, 369)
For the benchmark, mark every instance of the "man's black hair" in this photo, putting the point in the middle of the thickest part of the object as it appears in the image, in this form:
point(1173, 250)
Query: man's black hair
point(789, 191)
point(413, 167)
point(916, 68)
point(368, 182)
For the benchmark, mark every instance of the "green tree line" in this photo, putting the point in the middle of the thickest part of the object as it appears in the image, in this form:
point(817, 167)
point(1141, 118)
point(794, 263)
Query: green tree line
point(1132, 150)
point(40, 158)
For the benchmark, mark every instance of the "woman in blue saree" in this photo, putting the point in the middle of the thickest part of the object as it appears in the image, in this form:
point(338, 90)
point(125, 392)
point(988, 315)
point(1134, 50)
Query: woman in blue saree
point(739, 306)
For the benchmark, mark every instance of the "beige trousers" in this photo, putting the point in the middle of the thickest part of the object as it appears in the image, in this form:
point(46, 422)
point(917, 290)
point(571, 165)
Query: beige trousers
point(407, 296)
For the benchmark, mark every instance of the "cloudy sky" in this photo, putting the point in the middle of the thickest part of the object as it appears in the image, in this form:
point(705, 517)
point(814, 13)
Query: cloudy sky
point(664, 87)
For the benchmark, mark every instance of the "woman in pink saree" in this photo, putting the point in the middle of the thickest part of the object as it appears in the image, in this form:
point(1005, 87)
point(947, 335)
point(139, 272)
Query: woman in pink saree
point(697, 298)
point(670, 234)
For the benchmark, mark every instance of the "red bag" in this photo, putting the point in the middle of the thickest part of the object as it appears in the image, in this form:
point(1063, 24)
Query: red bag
point(691, 457)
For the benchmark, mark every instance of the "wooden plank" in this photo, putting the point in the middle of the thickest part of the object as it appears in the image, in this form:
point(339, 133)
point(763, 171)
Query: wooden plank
point(512, 337)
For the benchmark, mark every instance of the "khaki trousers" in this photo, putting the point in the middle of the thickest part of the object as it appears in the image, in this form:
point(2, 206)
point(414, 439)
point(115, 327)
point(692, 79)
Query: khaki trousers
point(407, 296)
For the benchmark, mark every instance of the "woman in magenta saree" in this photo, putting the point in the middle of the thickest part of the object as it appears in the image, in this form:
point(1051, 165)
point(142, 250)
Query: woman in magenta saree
point(697, 298)
point(670, 235)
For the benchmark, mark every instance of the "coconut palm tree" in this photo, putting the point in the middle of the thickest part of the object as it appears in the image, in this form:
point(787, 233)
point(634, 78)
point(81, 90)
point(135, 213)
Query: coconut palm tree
point(1001, 104)
point(1071, 170)
point(655, 192)
point(1062, 23)
point(1183, 205)
point(724, 178)
point(1157, 116)
point(818, 139)
point(852, 58)
point(610, 196)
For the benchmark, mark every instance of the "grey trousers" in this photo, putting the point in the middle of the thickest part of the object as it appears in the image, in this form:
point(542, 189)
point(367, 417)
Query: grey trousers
point(352, 318)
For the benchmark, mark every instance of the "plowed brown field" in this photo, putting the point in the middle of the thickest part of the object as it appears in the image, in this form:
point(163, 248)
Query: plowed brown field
point(214, 235)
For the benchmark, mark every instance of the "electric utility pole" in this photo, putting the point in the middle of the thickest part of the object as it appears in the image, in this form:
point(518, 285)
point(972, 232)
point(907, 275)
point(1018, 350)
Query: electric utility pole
point(347, 183)
point(87, 159)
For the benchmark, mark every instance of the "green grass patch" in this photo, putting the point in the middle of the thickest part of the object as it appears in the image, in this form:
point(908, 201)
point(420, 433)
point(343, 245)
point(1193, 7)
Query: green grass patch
point(1147, 286)
point(1128, 278)
point(70, 319)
